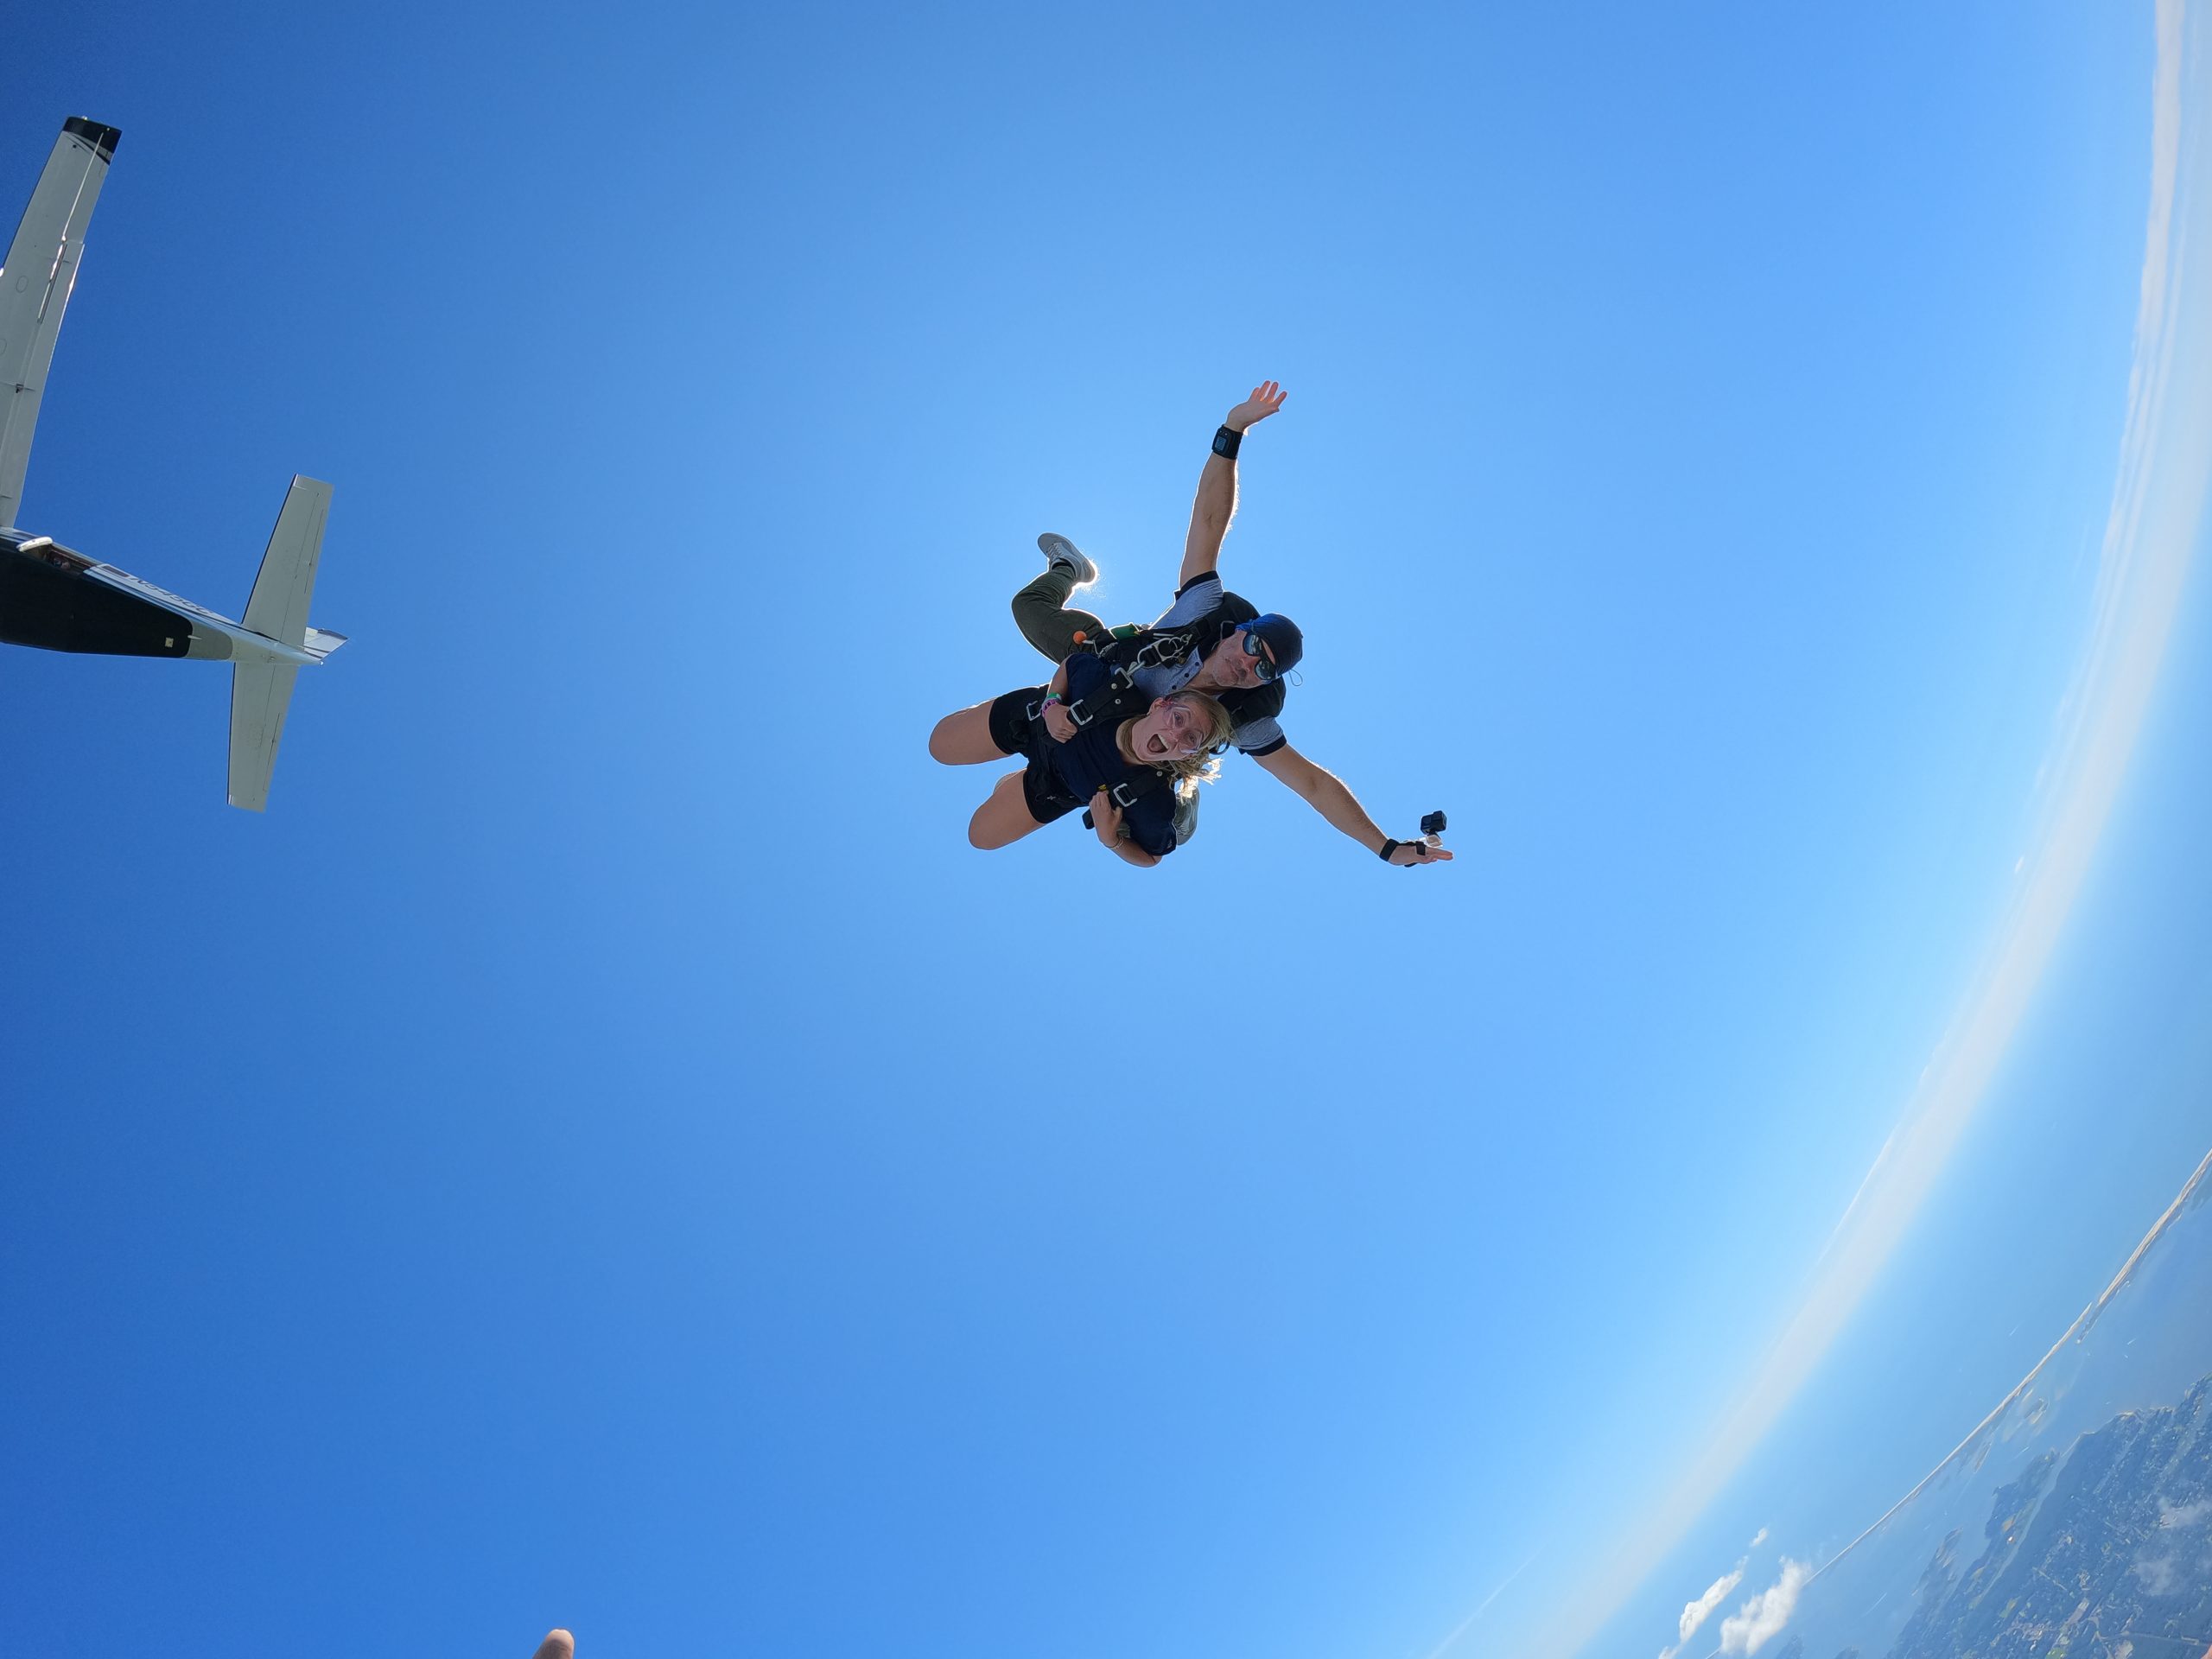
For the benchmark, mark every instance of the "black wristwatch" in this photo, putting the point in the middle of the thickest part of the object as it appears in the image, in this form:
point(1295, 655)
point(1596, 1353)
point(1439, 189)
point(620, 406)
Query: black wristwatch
point(1225, 443)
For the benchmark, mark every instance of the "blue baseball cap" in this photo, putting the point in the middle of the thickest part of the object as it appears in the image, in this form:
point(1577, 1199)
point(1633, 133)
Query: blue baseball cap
point(1283, 640)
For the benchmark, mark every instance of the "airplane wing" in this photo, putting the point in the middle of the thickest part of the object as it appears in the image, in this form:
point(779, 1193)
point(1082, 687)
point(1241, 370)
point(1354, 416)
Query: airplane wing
point(35, 284)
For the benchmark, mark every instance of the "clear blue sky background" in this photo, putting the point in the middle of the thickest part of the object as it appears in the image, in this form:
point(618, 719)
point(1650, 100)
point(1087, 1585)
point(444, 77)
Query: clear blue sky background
point(604, 1150)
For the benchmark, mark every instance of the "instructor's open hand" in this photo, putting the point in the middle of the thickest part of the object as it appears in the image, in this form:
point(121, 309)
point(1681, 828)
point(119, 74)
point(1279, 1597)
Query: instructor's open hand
point(1266, 398)
point(1429, 849)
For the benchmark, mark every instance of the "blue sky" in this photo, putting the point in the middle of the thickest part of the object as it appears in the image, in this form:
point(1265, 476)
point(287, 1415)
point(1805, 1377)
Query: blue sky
point(603, 1149)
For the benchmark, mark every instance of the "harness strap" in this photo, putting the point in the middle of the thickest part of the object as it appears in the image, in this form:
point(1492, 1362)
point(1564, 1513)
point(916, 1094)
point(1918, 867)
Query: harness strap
point(1111, 698)
point(1162, 648)
point(1127, 793)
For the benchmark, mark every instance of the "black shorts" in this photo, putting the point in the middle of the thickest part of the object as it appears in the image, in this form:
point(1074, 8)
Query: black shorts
point(1016, 732)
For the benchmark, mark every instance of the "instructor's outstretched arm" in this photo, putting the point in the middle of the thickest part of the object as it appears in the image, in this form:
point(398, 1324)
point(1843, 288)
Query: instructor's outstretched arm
point(1216, 498)
point(1326, 793)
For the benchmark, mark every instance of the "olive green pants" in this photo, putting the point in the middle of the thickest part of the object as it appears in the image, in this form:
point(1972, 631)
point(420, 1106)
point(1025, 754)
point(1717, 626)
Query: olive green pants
point(1041, 612)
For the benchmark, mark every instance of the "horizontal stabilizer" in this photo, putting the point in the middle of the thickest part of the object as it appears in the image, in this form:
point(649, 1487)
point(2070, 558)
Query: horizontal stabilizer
point(278, 609)
point(260, 693)
point(34, 287)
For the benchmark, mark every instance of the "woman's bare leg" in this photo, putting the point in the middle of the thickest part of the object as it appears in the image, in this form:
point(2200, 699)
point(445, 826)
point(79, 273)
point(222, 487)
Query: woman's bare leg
point(964, 739)
point(1003, 818)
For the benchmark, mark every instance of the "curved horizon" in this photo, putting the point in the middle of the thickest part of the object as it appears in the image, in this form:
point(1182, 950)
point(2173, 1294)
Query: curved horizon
point(2147, 548)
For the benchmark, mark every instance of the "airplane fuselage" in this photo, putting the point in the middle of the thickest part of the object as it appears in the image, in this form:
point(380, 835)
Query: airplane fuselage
point(58, 600)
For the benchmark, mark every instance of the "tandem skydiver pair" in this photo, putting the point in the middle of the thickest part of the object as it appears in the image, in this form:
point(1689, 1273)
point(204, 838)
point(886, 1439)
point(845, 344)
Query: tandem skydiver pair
point(1133, 719)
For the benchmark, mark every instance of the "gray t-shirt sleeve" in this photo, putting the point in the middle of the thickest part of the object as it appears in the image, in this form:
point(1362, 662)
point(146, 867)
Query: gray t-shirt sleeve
point(1193, 602)
point(1260, 736)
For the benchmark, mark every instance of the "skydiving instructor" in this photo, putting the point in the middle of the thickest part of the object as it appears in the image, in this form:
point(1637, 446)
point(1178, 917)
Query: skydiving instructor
point(1208, 640)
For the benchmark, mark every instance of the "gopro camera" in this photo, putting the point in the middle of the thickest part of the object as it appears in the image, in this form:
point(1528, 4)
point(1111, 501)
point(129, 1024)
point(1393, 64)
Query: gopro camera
point(1431, 823)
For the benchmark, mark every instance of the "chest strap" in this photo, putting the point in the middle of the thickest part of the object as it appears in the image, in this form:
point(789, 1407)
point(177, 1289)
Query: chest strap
point(1118, 697)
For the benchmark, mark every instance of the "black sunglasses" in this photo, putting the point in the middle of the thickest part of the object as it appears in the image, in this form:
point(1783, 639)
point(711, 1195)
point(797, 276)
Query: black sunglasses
point(1252, 644)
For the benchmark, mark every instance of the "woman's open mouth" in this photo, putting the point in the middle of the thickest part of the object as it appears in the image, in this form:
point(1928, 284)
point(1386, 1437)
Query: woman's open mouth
point(1153, 746)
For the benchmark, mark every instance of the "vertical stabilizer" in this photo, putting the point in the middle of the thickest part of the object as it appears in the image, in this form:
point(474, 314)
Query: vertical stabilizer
point(36, 283)
point(278, 607)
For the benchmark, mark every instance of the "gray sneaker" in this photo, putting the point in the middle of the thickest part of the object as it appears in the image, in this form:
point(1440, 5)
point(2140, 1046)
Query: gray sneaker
point(1063, 555)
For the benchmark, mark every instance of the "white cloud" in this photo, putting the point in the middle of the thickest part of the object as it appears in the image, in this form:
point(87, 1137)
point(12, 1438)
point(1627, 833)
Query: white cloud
point(1757, 1538)
point(1760, 1619)
point(2158, 1577)
point(1696, 1613)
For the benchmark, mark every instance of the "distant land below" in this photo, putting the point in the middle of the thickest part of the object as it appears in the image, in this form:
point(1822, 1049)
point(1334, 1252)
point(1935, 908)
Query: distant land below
point(2091, 1485)
point(2106, 1549)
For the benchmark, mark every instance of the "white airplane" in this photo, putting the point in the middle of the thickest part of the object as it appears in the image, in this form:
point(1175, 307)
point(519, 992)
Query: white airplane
point(58, 600)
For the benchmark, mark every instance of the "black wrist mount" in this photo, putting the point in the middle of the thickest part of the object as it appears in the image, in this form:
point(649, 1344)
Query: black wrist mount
point(1420, 851)
point(1225, 443)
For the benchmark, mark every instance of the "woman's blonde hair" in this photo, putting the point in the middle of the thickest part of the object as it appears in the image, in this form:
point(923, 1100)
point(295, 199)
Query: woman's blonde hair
point(1203, 766)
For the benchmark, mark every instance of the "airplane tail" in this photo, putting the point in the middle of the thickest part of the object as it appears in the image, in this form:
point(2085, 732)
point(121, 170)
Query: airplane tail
point(262, 692)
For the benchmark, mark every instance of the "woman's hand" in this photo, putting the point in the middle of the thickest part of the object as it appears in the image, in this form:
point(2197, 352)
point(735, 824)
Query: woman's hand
point(1060, 725)
point(1266, 398)
point(1107, 818)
